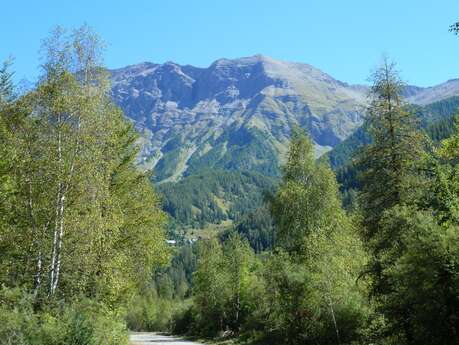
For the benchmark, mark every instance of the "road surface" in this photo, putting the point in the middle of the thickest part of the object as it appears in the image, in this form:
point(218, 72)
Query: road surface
point(147, 338)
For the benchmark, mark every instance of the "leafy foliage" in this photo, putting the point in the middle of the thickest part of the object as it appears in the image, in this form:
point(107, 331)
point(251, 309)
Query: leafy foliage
point(79, 222)
point(324, 256)
point(222, 290)
point(306, 201)
point(82, 322)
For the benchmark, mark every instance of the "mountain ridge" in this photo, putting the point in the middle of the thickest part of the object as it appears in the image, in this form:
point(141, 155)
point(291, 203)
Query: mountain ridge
point(192, 117)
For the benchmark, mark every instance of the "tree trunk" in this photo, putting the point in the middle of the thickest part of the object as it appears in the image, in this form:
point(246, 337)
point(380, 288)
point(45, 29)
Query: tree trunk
point(59, 244)
point(338, 338)
point(58, 224)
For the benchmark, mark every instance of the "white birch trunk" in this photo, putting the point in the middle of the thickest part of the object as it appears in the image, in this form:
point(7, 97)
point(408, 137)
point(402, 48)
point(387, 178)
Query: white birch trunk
point(55, 242)
point(59, 208)
point(59, 244)
point(63, 188)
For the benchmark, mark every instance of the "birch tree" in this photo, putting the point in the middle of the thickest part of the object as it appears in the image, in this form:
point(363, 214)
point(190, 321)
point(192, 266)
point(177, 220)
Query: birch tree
point(306, 202)
point(313, 296)
point(83, 218)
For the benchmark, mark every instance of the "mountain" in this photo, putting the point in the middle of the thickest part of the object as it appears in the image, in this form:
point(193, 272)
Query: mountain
point(230, 123)
point(235, 114)
point(428, 95)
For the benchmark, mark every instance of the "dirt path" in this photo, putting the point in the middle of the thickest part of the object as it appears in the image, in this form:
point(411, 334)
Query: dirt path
point(147, 338)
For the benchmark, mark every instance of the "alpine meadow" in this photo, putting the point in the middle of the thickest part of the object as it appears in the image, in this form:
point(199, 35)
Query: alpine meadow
point(255, 201)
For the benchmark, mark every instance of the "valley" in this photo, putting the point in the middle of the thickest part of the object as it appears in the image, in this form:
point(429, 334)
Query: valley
point(215, 137)
point(231, 201)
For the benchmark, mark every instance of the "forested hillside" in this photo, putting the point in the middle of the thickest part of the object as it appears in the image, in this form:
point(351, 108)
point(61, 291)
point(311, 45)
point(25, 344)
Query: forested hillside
point(237, 115)
point(214, 196)
point(206, 197)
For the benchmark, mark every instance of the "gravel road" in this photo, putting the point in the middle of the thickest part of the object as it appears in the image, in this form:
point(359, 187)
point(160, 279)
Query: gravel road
point(145, 338)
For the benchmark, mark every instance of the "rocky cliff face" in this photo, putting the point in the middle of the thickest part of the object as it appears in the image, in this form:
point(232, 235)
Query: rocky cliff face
point(238, 114)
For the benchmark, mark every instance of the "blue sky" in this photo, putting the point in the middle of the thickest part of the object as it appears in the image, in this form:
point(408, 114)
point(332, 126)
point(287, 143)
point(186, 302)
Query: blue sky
point(343, 38)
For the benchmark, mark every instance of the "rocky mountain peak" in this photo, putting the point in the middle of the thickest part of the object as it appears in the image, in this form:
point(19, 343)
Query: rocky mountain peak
point(191, 116)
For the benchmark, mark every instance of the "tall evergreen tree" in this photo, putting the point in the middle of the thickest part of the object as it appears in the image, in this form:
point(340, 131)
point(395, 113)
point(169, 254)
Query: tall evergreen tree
point(390, 167)
point(393, 185)
point(389, 161)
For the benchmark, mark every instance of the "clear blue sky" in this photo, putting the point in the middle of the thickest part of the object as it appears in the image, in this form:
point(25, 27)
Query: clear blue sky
point(343, 38)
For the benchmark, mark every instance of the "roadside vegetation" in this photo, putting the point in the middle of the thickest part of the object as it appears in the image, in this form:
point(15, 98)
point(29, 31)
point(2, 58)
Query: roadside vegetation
point(80, 226)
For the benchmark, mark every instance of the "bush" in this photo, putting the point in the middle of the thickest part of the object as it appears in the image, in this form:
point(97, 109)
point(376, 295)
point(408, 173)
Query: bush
point(80, 322)
point(147, 313)
point(152, 313)
point(80, 331)
point(184, 318)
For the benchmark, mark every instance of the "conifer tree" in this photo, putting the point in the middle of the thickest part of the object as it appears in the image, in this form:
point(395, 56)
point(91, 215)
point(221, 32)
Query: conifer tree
point(393, 185)
point(389, 162)
point(390, 168)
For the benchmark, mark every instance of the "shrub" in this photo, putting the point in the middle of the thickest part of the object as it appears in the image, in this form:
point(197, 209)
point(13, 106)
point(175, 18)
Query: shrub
point(151, 313)
point(79, 322)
